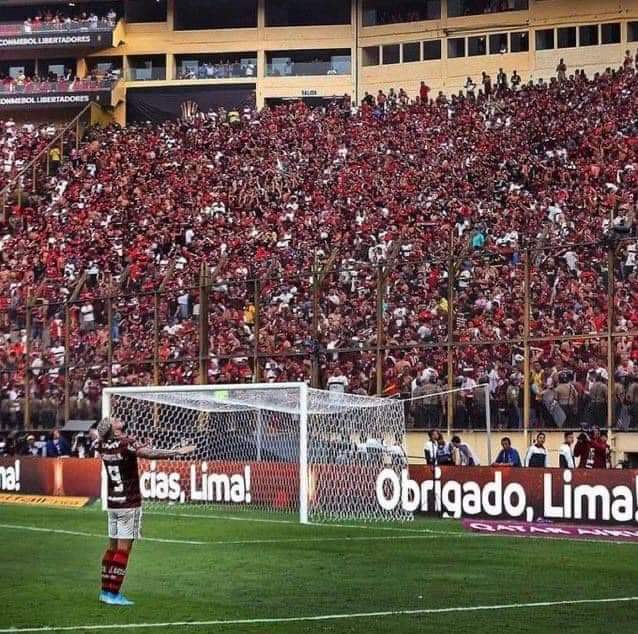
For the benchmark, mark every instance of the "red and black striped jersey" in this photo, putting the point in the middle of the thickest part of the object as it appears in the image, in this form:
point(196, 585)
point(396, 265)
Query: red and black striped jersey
point(123, 482)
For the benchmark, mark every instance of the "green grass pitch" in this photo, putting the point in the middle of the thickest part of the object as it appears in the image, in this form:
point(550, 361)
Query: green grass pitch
point(254, 570)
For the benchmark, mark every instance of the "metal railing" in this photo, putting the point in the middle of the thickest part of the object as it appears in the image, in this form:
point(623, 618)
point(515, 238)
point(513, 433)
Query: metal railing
point(29, 177)
point(9, 29)
point(160, 336)
point(30, 87)
point(155, 73)
point(300, 69)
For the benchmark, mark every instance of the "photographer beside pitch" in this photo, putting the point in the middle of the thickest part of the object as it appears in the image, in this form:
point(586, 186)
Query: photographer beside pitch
point(119, 453)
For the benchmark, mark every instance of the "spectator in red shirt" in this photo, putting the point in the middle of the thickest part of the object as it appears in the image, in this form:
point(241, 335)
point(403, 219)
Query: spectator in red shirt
point(424, 92)
point(592, 450)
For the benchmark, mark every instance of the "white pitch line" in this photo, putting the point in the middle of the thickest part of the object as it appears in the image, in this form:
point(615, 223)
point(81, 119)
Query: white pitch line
point(237, 518)
point(61, 531)
point(321, 617)
point(414, 532)
point(234, 518)
point(372, 527)
point(224, 542)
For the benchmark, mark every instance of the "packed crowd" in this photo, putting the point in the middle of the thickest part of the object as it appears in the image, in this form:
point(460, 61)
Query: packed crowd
point(433, 192)
point(47, 21)
point(19, 143)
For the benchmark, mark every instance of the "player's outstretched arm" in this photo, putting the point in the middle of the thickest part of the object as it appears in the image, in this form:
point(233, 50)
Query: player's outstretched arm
point(152, 453)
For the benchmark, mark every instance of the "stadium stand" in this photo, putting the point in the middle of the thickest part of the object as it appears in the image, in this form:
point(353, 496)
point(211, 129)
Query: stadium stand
point(383, 200)
point(55, 21)
point(18, 144)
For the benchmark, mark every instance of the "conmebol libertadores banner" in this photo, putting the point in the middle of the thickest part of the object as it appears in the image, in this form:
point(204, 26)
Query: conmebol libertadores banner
point(32, 101)
point(65, 40)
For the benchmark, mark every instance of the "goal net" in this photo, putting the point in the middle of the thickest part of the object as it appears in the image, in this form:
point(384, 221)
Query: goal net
point(266, 448)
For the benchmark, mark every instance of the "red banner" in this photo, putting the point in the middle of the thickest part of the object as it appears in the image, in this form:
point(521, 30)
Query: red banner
point(273, 484)
point(50, 476)
point(263, 483)
point(579, 495)
point(594, 496)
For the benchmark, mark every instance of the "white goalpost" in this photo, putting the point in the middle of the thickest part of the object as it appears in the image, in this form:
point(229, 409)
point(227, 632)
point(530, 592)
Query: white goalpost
point(273, 447)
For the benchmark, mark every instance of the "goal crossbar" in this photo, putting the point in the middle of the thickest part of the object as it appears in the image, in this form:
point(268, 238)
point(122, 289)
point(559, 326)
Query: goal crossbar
point(283, 397)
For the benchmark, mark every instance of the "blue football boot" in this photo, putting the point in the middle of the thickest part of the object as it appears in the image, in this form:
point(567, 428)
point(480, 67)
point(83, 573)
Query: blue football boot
point(120, 599)
point(106, 597)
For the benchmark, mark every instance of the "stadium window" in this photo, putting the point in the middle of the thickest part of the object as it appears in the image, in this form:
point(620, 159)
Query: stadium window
point(216, 66)
point(308, 62)
point(456, 47)
point(610, 33)
point(307, 13)
point(411, 52)
point(632, 31)
point(15, 69)
point(459, 8)
point(146, 67)
point(566, 37)
point(376, 12)
point(191, 15)
point(588, 35)
point(145, 11)
point(102, 66)
point(370, 56)
point(56, 68)
point(391, 54)
point(431, 50)
point(476, 45)
point(544, 39)
point(519, 42)
point(498, 43)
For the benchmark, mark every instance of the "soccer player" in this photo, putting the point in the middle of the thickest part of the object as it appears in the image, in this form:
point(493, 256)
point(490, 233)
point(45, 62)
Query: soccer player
point(119, 453)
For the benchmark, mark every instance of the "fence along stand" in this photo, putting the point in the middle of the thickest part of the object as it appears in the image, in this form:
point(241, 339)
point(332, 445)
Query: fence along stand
point(526, 349)
point(319, 275)
point(204, 343)
point(27, 364)
point(156, 318)
point(451, 276)
point(383, 272)
point(379, 351)
point(611, 357)
point(256, 326)
point(67, 378)
point(109, 320)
